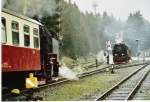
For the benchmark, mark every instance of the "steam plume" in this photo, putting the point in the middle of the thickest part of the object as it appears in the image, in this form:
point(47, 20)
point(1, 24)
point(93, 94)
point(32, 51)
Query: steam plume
point(119, 38)
point(30, 7)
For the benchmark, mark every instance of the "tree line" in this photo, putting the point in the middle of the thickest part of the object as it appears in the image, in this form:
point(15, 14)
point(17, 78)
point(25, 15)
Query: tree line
point(86, 33)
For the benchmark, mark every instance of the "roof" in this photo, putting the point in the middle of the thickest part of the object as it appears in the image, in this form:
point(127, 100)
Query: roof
point(20, 16)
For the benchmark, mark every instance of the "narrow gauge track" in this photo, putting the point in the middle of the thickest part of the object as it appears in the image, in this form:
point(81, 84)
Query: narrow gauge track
point(10, 96)
point(127, 88)
point(142, 92)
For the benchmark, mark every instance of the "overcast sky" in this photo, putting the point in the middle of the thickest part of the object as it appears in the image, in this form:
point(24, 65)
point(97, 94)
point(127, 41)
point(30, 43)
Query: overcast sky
point(119, 8)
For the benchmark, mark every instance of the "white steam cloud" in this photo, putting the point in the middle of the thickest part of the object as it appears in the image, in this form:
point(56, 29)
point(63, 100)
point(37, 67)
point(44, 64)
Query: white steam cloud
point(3, 3)
point(67, 73)
point(100, 57)
point(119, 38)
point(31, 7)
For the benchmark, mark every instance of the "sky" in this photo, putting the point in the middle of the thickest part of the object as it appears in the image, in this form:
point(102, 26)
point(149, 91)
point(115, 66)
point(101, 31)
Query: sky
point(119, 8)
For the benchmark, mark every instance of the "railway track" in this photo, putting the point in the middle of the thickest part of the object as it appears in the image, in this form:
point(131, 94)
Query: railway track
point(10, 96)
point(141, 93)
point(128, 87)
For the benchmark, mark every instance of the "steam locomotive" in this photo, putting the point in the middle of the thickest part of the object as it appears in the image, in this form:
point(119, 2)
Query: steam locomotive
point(27, 47)
point(121, 53)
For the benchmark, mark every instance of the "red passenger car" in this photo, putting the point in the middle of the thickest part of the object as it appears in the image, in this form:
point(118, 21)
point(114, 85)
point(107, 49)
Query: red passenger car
point(22, 52)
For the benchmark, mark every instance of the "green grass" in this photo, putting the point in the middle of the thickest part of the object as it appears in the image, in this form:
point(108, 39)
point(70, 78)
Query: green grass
point(85, 86)
point(147, 97)
point(81, 87)
point(68, 61)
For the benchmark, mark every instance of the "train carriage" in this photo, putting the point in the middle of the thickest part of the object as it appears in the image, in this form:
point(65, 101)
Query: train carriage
point(20, 43)
point(22, 52)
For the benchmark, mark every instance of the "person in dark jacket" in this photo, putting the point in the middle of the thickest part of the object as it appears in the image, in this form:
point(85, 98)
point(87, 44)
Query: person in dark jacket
point(56, 69)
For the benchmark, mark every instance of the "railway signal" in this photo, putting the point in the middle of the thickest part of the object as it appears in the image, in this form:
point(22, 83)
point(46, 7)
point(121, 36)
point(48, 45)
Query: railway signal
point(109, 55)
point(108, 46)
point(109, 52)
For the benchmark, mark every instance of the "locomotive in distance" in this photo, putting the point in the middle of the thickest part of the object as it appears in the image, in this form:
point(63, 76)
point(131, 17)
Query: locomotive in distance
point(121, 53)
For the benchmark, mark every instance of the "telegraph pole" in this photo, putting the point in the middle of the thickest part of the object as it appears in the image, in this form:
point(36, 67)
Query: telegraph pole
point(95, 5)
point(138, 53)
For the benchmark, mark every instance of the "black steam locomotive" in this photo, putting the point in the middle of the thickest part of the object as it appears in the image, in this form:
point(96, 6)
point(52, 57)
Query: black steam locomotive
point(121, 54)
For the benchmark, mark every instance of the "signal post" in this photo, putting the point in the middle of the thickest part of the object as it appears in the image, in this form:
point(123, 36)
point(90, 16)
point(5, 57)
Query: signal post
point(110, 55)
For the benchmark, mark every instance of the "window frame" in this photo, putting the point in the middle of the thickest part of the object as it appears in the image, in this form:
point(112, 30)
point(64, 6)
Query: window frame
point(16, 32)
point(36, 36)
point(26, 34)
point(37, 32)
point(5, 29)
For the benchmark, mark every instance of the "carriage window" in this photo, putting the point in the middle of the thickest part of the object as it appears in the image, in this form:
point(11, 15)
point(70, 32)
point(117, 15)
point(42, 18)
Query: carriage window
point(36, 38)
point(15, 25)
point(36, 42)
point(15, 32)
point(3, 30)
point(26, 40)
point(35, 31)
point(26, 30)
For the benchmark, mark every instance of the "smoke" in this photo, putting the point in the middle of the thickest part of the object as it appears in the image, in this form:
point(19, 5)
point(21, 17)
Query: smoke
point(100, 57)
point(78, 69)
point(119, 38)
point(136, 27)
point(67, 73)
point(3, 3)
point(31, 7)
